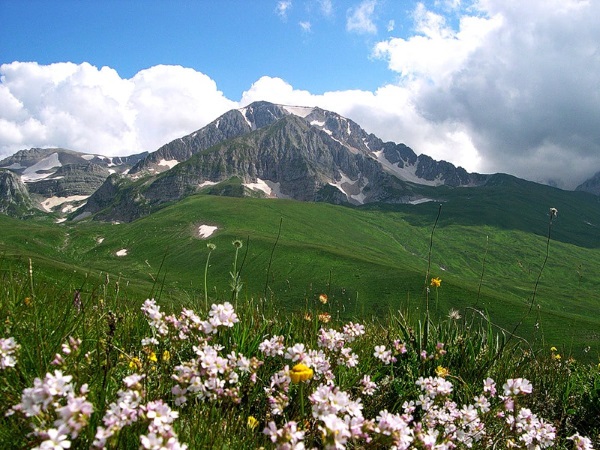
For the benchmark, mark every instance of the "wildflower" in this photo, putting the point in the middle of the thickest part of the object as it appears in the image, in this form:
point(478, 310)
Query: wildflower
point(237, 243)
point(454, 314)
point(211, 246)
point(152, 357)
point(436, 282)
point(325, 317)
point(581, 442)
point(57, 439)
point(166, 356)
point(323, 298)
point(556, 356)
point(553, 349)
point(301, 372)
point(553, 213)
point(368, 385)
point(27, 301)
point(307, 317)
point(252, 422)
point(383, 354)
point(8, 347)
point(442, 372)
point(273, 346)
point(135, 363)
point(517, 386)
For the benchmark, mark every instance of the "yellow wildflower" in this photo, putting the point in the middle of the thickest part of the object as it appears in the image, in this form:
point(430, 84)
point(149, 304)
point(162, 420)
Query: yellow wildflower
point(307, 317)
point(436, 282)
point(135, 363)
point(323, 298)
point(27, 301)
point(553, 349)
point(166, 355)
point(556, 356)
point(252, 422)
point(152, 357)
point(300, 372)
point(442, 372)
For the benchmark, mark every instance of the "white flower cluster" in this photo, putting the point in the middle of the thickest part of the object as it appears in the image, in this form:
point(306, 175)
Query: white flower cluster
point(8, 348)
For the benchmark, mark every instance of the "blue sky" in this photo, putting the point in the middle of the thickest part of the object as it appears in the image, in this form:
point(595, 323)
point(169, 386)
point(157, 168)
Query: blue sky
point(235, 42)
point(489, 85)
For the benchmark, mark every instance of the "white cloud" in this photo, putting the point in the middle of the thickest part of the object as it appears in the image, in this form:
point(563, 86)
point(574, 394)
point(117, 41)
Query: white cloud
point(81, 107)
point(306, 27)
point(326, 7)
point(360, 18)
point(282, 8)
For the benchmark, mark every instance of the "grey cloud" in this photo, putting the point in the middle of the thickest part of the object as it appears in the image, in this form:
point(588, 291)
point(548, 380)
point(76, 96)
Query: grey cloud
point(530, 94)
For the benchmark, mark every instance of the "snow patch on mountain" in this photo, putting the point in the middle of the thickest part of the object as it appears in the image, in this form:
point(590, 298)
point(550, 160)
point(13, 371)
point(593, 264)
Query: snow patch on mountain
point(206, 183)
point(300, 111)
point(52, 202)
point(421, 200)
point(170, 164)
point(88, 157)
point(270, 188)
point(352, 188)
point(32, 172)
point(244, 111)
point(406, 173)
point(205, 231)
point(122, 252)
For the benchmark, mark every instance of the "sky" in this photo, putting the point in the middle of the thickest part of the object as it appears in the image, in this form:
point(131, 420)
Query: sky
point(490, 85)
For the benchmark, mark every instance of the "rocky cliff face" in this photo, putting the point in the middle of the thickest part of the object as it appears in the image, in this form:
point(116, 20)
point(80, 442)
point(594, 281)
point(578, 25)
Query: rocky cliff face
point(591, 185)
point(71, 179)
point(14, 198)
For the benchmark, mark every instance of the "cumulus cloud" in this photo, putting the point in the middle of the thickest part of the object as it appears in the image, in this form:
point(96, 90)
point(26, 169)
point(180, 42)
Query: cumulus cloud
point(360, 18)
point(81, 107)
point(518, 80)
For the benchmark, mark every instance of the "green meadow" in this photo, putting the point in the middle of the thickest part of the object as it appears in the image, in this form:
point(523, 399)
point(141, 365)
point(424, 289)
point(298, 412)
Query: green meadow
point(517, 301)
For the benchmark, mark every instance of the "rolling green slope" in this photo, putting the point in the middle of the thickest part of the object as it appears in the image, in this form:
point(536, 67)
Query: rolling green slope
point(368, 260)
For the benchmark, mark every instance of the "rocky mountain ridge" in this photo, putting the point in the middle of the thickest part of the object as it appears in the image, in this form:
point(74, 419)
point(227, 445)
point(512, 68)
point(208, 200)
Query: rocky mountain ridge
point(263, 149)
point(307, 154)
point(57, 176)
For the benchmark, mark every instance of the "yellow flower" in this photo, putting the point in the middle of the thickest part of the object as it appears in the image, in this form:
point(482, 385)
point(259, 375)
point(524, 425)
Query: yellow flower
point(152, 357)
point(166, 355)
point(323, 298)
point(324, 317)
point(553, 349)
point(556, 356)
point(307, 317)
point(252, 422)
point(300, 372)
point(436, 282)
point(27, 301)
point(135, 363)
point(442, 372)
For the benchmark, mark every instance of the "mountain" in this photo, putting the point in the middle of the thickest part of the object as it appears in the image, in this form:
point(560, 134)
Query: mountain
point(65, 178)
point(14, 197)
point(591, 185)
point(303, 153)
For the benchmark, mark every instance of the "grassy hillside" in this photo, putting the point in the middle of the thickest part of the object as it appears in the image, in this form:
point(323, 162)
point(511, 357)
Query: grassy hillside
point(369, 260)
